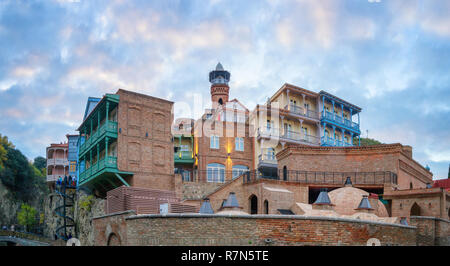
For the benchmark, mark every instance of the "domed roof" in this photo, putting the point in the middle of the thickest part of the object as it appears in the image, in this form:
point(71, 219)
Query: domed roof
point(219, 66)
point(347, 199)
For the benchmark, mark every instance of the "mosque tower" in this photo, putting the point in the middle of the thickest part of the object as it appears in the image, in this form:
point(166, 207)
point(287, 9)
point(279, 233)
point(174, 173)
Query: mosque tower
point(219, 79)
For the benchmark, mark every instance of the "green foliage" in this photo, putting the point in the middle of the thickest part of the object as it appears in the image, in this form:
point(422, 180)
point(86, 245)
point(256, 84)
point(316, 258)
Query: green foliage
point(27, 216)
point(366, 142)
point(40, 163)
point(21, 177)
point(86, 203)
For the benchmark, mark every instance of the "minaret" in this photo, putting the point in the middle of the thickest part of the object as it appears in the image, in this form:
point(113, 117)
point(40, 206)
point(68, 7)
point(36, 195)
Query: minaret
point(219, 79)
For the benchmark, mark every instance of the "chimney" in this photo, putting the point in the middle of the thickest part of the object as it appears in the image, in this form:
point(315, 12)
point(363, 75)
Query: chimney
point(323, 201)
point(206, 207)
point(364, 205)
point(231, 202)
point(348, 182)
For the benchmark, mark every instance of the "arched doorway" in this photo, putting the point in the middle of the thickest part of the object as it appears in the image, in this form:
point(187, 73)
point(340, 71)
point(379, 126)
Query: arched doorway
point(415, 210)
point(220, 101)
point(284, 173)
point(113, 240)
point(266, 207)
point(253, 204)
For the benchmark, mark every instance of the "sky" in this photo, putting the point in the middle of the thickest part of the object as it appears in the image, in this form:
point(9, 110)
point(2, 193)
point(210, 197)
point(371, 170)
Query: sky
point(392, 58)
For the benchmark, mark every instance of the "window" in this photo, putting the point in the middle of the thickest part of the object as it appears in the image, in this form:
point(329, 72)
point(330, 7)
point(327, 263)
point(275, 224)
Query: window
point(208, 116)
point(347, 140)
point(239, 170)
point(305, 132)
point(214, 144)
point(184, 147)
point(271, 154)
point(216, 173)
point(327, 133)
point(73, 167)
point(239, 144)
point(306, 105)
point(186, 175)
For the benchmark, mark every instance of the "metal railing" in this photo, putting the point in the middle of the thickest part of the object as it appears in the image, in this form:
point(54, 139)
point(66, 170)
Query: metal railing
point(267, 158)
point(211, 176)
point(334, 178)
point(340, 120)
point(325, 140)
point(298, 110)
point(183, 155)
point(287, 135)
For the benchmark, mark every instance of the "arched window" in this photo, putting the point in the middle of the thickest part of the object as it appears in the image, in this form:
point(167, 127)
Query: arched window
point(253, 204)
point(266, 207)
point(220, 101)
point(410, 185)
point(216, 172)
point(285, 173)
point(239, 170)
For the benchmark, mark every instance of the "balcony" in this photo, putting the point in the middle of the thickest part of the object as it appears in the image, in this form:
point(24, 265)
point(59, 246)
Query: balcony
point(108, 163)
point(328, 141)
point(53, 178)
point(340, 121)
point(109, 128)
point(267, 160)
point(300, 138)
point(325, 178)
point(300, 111)
point(57, 161)
point(183, 157)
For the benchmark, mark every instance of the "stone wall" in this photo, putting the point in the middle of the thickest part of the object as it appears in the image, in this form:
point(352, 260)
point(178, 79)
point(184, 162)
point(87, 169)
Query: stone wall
point(197, 190)
point(431, 231)
point(196, 229)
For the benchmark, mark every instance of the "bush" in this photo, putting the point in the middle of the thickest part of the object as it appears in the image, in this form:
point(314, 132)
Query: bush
point(86, 203)
point(27, 216)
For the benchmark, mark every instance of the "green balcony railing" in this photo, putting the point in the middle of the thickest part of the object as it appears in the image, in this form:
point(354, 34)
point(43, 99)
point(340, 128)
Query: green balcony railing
point(111, 127)
point(183, 156)
point(108, 162)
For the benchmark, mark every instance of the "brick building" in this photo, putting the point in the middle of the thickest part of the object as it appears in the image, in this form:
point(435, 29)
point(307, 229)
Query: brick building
point(126, 140)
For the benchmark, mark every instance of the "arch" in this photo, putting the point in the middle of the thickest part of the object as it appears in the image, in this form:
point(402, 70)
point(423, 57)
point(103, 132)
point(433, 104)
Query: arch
point(113, 240)
point(220, 101)
point(253, 204)
point(266, 207)
point(415, 210)
point(410, 185)
point(285, 174)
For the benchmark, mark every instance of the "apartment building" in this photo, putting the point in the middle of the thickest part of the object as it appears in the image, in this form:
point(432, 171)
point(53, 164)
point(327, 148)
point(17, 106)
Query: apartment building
point(57, 162)
point(72, 154)
point(126, 140)
point(294, 115)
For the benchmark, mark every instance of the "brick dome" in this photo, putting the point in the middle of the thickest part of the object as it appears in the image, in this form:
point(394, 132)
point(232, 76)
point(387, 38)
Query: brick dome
point(347, 199)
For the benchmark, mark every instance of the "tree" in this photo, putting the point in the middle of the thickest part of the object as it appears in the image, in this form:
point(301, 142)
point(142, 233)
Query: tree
point(40, 162)
point(27, 216)
point(366, 142)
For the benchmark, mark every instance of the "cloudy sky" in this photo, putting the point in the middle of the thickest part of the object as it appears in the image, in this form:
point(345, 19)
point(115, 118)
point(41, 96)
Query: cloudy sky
point(392, 58)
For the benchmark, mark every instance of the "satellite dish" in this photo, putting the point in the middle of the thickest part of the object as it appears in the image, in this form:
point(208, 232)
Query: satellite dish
point(73, 242)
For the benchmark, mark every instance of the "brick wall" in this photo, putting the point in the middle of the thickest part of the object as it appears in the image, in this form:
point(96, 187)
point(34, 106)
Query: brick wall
point(431, 231)
point(385, 157)
point(111, 228)
point(197, 229)
point(144, 140)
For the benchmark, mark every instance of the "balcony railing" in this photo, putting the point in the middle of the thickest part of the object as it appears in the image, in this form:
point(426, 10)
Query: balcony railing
point(333, 178)
point(299, 137)
point(53, 178)
point(329, 141)
point(298, 110)
point(267, 158)
point(108, 162)
point(340, 120)
point(57, 161)
point(111, 126)
point(183, 155)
